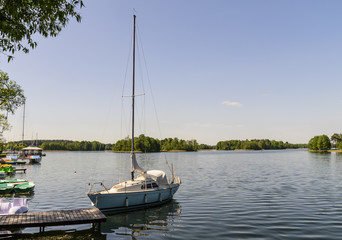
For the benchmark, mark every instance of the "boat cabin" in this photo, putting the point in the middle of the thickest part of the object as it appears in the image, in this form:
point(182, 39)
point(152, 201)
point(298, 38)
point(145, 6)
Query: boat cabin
point(151, 180)
point(32, 151)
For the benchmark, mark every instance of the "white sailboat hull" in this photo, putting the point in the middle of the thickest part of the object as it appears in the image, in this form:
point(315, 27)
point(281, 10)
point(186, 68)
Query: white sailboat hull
point(125, 201)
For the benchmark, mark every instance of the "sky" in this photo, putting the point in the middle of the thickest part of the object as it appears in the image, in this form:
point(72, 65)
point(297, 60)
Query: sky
point(214, 70)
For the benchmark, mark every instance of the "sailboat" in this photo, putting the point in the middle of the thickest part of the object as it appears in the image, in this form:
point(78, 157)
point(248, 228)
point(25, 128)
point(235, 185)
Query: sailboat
point(31, 153)
point(149, 188)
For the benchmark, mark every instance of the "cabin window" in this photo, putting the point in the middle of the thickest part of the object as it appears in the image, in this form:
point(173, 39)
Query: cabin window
point(146, 186)
point(149, 186)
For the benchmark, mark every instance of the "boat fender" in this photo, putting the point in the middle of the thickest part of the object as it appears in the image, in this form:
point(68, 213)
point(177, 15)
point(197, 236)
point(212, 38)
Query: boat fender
point(160, 197)
point(171, 193)
point(126, 201)
point(145, 198)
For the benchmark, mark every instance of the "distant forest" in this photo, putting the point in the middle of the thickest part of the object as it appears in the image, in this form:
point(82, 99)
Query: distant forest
point(256, 144)
point(61, 145)
point(148, 144)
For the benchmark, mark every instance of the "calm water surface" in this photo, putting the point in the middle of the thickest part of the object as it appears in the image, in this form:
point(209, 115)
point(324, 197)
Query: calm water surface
point(289, 194)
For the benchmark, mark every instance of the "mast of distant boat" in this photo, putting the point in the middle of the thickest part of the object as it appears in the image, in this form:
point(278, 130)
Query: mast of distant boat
point(133, 92)
point(22, 136)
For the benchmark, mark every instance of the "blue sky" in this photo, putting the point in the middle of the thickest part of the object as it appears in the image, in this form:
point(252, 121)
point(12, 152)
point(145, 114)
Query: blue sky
point(218, 69)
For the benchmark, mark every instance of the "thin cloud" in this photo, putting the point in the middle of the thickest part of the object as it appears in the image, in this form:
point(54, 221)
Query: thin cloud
point(232, 104)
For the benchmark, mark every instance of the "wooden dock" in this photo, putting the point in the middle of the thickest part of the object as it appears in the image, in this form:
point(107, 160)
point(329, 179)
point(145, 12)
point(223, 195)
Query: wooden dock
point(52, 218)
point(20, 170)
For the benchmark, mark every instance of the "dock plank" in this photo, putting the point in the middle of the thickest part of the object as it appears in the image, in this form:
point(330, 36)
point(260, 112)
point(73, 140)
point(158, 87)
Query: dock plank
point(52, 218)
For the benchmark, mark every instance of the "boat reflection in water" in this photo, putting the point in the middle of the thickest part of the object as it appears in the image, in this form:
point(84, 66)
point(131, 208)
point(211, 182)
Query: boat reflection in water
point(139, 223)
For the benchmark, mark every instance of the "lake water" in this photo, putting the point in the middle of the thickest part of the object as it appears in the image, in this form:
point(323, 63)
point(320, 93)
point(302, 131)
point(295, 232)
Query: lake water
point(287, 194)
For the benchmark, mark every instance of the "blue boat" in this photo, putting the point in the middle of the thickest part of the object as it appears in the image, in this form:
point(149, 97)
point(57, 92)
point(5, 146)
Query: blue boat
point(33, 154)
point(149, 188)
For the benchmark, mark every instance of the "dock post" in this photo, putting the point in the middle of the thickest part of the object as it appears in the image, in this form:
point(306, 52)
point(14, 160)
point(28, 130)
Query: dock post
point(96, 226)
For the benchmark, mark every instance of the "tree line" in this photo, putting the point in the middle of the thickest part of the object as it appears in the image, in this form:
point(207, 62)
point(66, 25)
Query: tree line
point(256, 144)
point(61, 145)
point(324, 143)
point(147, 144)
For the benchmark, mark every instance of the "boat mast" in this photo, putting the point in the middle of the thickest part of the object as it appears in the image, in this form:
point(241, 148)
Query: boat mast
point(133, 95)
point(22, 136)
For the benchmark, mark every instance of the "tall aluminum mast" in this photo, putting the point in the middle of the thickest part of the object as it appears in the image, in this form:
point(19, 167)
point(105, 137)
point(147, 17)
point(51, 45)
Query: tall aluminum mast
point(133, 96)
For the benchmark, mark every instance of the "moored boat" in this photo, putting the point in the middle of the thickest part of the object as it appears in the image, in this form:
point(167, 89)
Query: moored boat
point(14, 181)
point(33, 154)
point(149, 188)
point(12, 156)
point(10, 162)
point(7, 169)
point(24, 187)
point(6, 188)
point(19, 205)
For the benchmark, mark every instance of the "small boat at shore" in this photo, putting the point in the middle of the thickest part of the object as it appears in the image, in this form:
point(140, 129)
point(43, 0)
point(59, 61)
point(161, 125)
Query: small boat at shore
point(19, 205)
point(14, 162)
point(6, 188)
point(2, 174)
point(12, 156)
point(7, 169)
point(24, 187)
point(13, 181)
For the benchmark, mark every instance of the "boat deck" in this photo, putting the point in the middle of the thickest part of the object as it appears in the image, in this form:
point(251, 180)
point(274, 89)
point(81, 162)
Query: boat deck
point(52, 218)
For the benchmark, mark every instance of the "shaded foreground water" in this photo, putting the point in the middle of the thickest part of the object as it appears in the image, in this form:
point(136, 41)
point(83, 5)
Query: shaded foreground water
point(288, 194)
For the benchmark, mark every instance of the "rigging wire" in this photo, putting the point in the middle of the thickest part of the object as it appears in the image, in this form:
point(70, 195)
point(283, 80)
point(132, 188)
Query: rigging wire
point(151, 92)
point(123, 115)
point(124, 125)
point(150, 86)
point(141, 109)
point(95, 170)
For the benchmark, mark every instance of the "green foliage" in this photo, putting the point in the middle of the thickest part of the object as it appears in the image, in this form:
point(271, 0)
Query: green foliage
point(319, 143)
point(337, 140)
point(142, 144)
point(256, 144)
point(11, 97)
point(15, 146)
point(123, 145)
point(147, 144)
point(4, 125)
point(11, 94)
point(20, 20)
point(62, 145)
point(74, 146)
point(205, 147)
point(174, 144)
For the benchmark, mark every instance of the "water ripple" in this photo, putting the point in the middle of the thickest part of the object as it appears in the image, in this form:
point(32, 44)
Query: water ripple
point(224, 195)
